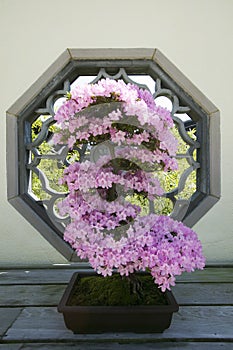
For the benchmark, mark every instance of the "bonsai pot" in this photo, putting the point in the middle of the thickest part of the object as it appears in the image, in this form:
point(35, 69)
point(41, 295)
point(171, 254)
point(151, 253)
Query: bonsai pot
point(100, 319)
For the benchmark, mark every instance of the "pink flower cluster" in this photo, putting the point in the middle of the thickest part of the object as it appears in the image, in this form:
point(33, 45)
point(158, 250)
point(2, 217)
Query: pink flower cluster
point(156, 243)
point(88, 175)
point(80, 119)
point(128, 138)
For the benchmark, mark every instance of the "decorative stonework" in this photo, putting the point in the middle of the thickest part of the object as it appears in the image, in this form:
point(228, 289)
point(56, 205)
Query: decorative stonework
point(189, 108)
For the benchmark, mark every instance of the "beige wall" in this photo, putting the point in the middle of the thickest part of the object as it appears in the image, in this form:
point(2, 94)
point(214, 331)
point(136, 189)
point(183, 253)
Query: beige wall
point(196, 35)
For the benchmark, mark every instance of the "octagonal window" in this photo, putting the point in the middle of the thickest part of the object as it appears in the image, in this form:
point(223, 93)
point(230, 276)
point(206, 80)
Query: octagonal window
point(35, 164)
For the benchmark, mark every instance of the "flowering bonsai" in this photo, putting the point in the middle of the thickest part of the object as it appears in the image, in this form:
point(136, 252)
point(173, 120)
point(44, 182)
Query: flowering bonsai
point(127, 140)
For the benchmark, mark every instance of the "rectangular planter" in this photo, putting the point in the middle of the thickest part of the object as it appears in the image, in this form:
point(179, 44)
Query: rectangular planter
point(100, 319)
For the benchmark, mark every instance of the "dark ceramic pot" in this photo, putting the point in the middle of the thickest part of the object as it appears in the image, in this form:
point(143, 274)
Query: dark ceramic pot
point(100, 319)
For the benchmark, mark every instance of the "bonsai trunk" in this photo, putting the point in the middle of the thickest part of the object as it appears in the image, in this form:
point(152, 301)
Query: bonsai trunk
point(135, 285)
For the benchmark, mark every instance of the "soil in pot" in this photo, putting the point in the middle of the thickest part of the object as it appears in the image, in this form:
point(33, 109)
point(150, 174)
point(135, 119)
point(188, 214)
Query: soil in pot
point(116, 291)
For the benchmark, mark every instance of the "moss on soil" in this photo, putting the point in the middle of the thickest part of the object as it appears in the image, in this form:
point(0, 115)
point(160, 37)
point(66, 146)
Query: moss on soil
point(115, 291)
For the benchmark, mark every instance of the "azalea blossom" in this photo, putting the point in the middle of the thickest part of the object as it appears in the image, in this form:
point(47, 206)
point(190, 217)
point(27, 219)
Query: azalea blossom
point(127, 138)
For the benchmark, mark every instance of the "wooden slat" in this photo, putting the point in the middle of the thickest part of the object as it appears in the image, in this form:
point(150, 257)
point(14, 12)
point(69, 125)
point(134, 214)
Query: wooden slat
point(7, 318)
point(209, 274)
point(40, 276)
point(20, 295)
point(52, 276)
point(50, 295)
point(203, 293)
point(11, 346)
point(194, 322)
point(119, 346)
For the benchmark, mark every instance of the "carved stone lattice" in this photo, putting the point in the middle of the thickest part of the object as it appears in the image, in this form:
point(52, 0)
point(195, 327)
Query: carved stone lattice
point(35, 163)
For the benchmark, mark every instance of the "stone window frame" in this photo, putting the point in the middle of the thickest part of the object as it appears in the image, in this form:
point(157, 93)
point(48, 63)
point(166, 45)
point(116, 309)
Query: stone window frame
point(88, 62)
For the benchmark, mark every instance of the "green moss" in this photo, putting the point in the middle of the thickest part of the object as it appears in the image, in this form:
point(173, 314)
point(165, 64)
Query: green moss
point(116, 291)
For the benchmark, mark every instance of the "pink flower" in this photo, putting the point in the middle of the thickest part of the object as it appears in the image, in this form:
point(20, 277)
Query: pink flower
point(105, 227)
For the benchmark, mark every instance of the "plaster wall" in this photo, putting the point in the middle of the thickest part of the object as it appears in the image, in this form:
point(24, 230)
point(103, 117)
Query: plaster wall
point(196, 35)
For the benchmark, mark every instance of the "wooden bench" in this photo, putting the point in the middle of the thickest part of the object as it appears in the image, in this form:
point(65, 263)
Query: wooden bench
point(29, 318)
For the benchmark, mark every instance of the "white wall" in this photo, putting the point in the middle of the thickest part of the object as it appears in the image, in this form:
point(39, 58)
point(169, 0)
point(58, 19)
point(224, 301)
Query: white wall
point(196, 35)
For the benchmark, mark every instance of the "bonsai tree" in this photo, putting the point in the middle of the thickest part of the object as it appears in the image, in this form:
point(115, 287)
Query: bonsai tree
point(124, 140)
